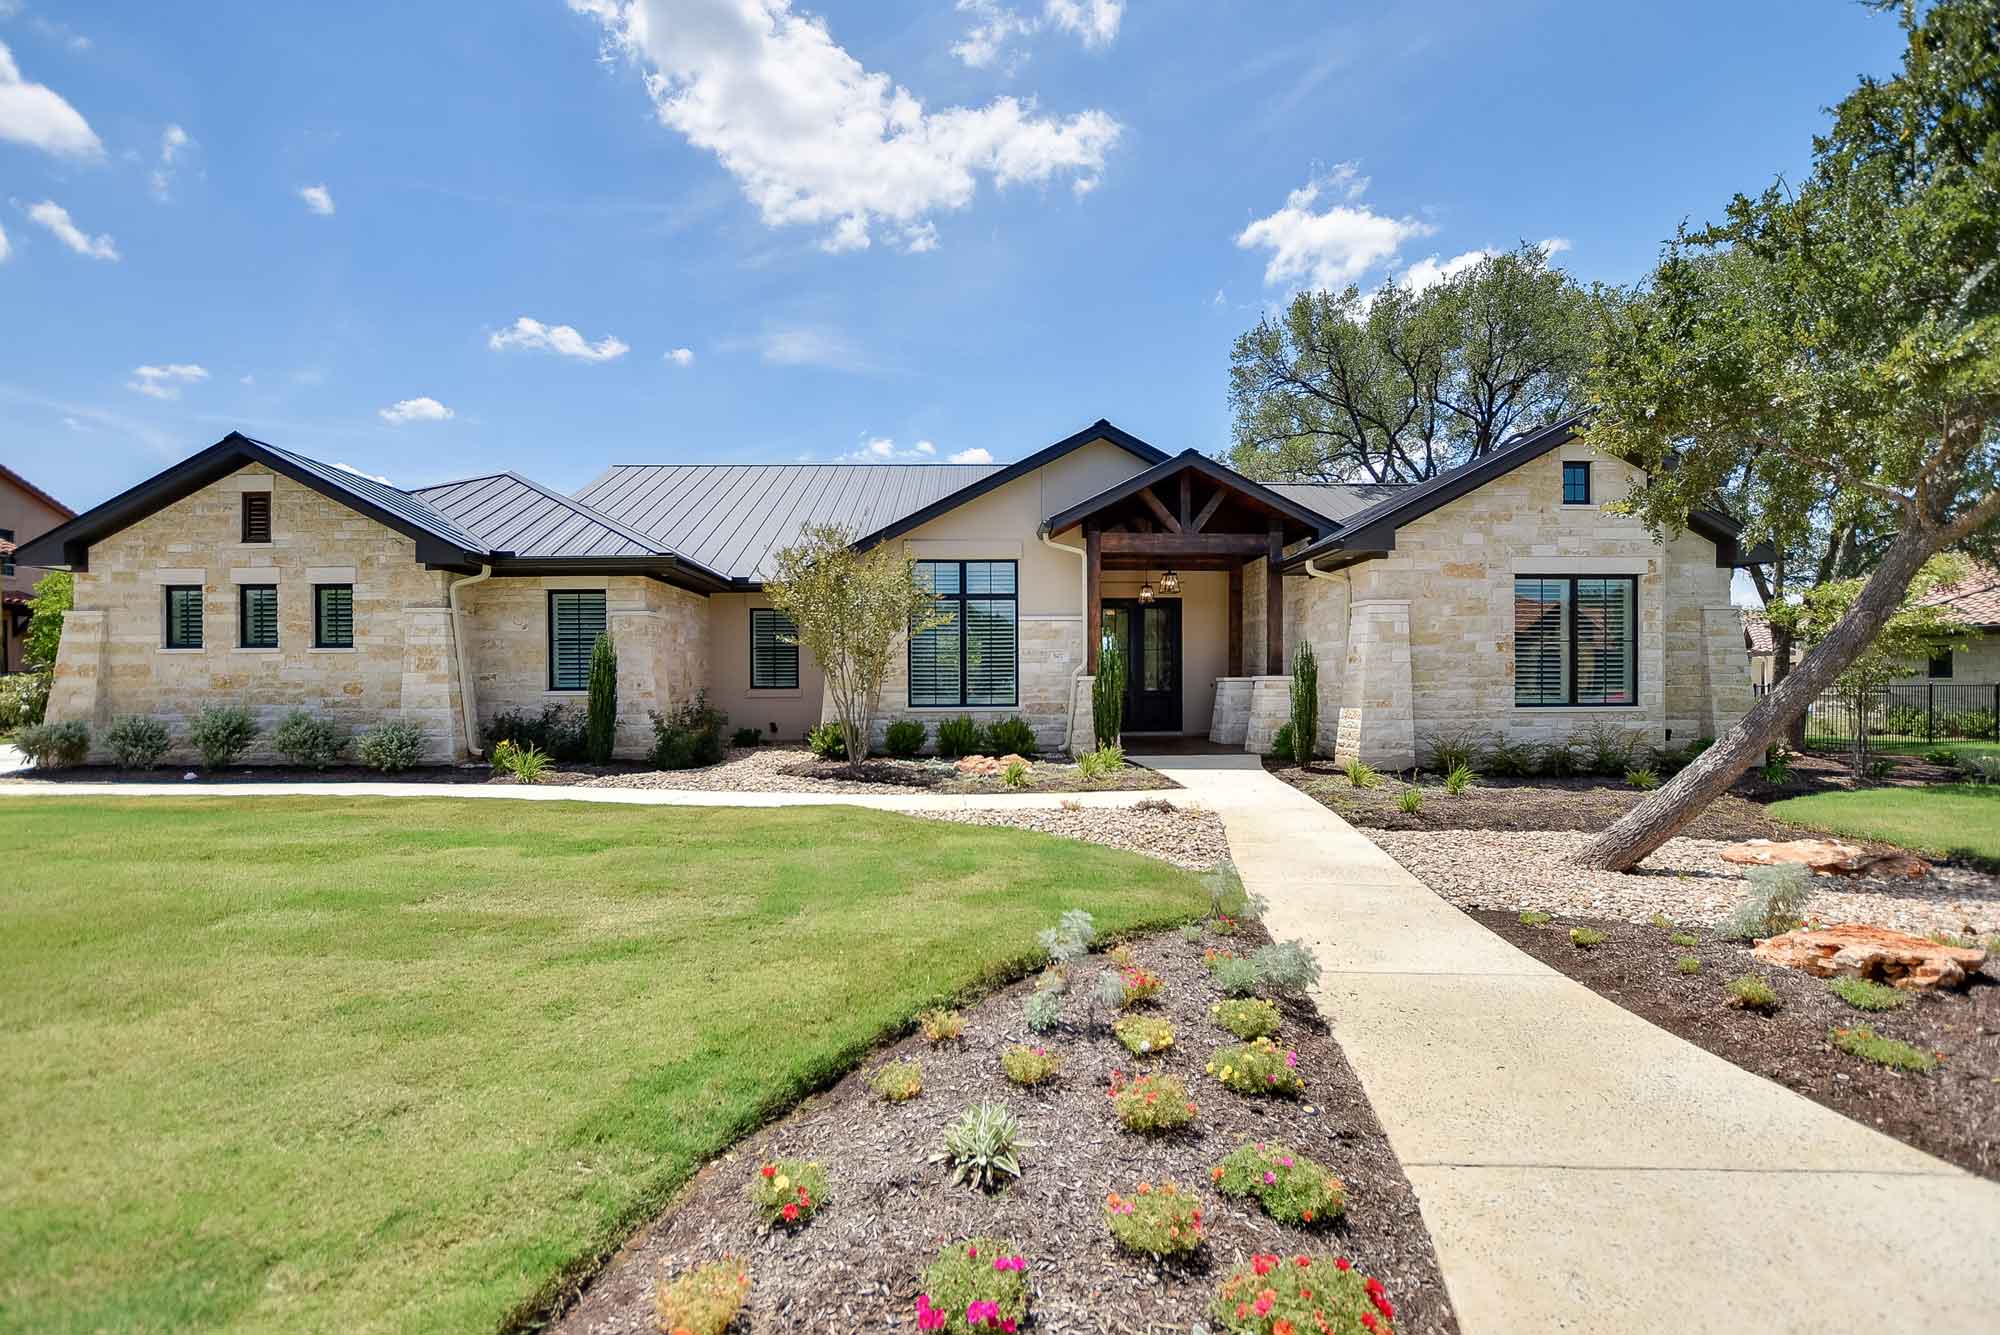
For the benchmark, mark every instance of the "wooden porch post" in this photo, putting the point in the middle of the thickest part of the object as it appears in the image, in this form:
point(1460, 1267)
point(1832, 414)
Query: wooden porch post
point(1093, 601)
point(1236, 620)
point(1274, 606)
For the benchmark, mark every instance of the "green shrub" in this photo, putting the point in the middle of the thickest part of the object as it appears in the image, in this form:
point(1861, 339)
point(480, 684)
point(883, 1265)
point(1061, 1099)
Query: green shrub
point(1942, 755)
point(557, 732)
point(524, 763)
point(1011, 736)
point(983, 1146)
point(705, 1300)
point(1684, 939)
point(1290, 1188)
point(1778, 769)
point(221, 733)
point(746, 737)
point(1305, 703)
point(1144, 1035)
point(1288, 968)
point(827, 740)
point(1155, 1221)
point(1070, 939)
point(390, 746)
point(307, 740)
point(24, 698)
point(1236, 977)
point(1282, 748)
point(1151, 1104)
point(986, 1274)
point(1030, 1066)
point(1410, 801)
point(1455, 749)
point(1016, 774)
point(1246, 1019)
point(1361, 774)
point(1643, 778)
point(1269, 1293)
point(957, 737)
point(1107, 694)
point(1604, 748)
point(898, 1081)
point(1585, 938)
point(1558, 760)
point(1228, 898)
point(1509, 759)
point(1892, 1053)
point(789, 1191)
point(600, 719)
point(1772, 904)
point(1866, 995)
point(1880, 768)
point(1459, 780)
point(1903, 721)
point(1043, 1010)
point(1688, 964)
point(904, 738)
point(1751, 993)
point(1191, 932)
point(54, 745)
point(1257, 1067)
point(690, 735)
point(136, 742)
point(940, 1026)
point(1094, 765)
point(1536, 918)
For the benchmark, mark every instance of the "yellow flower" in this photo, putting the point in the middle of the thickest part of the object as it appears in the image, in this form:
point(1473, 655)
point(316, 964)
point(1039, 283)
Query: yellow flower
point(782, 1182)
point(1228, 1071)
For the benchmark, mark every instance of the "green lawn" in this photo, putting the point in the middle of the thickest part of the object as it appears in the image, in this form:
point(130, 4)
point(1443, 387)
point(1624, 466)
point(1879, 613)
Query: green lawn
point(1945, 820)
point(285, 1064)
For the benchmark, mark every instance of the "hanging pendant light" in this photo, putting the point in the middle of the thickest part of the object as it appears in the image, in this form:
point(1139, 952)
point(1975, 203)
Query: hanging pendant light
point(1146, 589)
point(1170, 582)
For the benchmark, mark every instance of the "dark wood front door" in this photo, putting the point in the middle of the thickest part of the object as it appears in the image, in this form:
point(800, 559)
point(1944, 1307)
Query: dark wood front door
point(1150, 634)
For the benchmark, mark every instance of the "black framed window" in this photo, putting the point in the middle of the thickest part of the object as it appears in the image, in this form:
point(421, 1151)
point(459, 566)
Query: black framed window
point(333, 616)
point(774, 652)
point(576, 619)
point(7, 556)
point(256, 516)
point(1576, 640)
point(257, 615)
point(974, 658)
point(1939, 667)
point(183, 616)
point(1576, 483)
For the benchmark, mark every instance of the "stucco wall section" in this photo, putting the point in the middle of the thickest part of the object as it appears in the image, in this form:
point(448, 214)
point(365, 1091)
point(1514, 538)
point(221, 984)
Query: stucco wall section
point(1977, 663)
point(783, 715)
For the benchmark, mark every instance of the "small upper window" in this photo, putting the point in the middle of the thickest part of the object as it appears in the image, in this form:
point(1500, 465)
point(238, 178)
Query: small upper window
point(256, 516)
point(774, 651)
point(1940, 665)
point(183, 616)
point(1576, 484)
point(258, 621)
point(333, 616)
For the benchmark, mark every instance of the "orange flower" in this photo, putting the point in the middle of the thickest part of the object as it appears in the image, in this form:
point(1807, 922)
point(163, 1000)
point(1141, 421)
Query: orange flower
point(1215, 1173)
point(1145, 1188)
point(1281, 1327)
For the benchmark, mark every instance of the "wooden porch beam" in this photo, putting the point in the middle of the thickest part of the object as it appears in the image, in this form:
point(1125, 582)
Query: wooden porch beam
point(1274, 604)
point(1208, 511)
point(1160, 511)
point(1187, 544)
point(1093, 601)
point(1187, 500)
point(1236, 620)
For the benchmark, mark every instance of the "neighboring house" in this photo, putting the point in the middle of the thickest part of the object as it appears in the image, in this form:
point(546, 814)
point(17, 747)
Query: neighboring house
point(1760, 643)
point(1502, 596)
point(26, 511)
point(1973, 601)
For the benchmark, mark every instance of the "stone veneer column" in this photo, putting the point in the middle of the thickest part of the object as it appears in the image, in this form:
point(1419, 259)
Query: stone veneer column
point(77, 688)
point(635, 634)
point(1377, 720)
point(1230, 724)
point(1726, 693)
point(1082, 735)
point(430, 696)
point(1270, 709)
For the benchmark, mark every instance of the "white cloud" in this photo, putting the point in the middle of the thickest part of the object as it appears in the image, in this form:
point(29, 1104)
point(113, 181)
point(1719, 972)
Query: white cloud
point(806, 345)
point(425, 409)
point(376, 477)
point(1554, 245)
point(1430, 271)
point(318, 199)
point(681, 356)
point(884, 450)
point(164, 382)
point(561, 338)
point(1332, 247)
point(973, 456)
point(6, 247)
point(985, 42)
point(988, 42)
point(814, 138)
point(173, 140)
point(56, 218)
point(36, 115)
point(1095, 21)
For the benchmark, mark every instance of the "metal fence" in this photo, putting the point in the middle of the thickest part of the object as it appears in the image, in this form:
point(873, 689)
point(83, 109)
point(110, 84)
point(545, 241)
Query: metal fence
point(1903, 718)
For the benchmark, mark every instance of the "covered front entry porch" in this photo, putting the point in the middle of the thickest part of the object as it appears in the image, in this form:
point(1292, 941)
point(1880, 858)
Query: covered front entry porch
point(1181, 572)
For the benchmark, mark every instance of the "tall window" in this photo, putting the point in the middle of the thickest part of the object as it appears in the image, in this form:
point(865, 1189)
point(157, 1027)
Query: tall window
point(183, 616)
point(1576, 640)
point(1939, 668)
point(576, 619)
point(973, 659)
point(774, 663)
point(256, 516)
point(1576, 484)
point(6, 551)
point(333, 616)
point(257, 619)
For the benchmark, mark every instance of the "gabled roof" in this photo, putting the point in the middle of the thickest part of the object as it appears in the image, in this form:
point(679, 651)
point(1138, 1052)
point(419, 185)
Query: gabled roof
point(510, 513)
point(9, 475)
point(1974, 600)
point(1188, 461)
point(1338, 500)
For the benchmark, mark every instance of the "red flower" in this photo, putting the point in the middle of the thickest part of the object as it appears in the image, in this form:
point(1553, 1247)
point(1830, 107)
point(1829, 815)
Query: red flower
point(791, 1213)
point(769, 1170)
point(1368, 1320)
point(1342, 1263)
point(1303, 1261)
point(1387, 1308)
point(1263, 1265)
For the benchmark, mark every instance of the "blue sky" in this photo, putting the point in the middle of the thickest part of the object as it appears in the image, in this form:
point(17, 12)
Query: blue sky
point(730, 230)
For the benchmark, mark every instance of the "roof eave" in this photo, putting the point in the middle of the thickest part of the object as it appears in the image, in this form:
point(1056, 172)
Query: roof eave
point(1219, 473)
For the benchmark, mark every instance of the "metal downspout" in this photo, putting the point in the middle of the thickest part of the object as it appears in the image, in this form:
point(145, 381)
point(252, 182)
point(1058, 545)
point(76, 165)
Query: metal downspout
point(468, 705)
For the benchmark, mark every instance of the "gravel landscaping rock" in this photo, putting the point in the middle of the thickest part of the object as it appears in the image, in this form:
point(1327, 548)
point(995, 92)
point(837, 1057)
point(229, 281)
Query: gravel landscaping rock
point(1183, 834)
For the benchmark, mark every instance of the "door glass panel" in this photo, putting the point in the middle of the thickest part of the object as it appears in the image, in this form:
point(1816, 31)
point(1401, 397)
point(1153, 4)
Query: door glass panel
point(1157, 658)
point(1118, 631)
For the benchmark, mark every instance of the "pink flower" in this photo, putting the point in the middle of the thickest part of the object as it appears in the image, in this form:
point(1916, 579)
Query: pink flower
point(1286, 1161)
point(1270, 1179)
point(928, 1317)
point(1291, 1059)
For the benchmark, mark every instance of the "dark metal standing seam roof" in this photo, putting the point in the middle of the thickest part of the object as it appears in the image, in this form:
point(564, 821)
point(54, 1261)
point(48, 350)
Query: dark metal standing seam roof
point(511, 514)
point(393, 499)
point(1337, 500)
point(735, 517)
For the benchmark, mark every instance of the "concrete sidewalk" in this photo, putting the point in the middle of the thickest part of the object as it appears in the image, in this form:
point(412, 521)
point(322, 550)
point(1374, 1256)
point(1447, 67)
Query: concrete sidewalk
point(1579, 1168)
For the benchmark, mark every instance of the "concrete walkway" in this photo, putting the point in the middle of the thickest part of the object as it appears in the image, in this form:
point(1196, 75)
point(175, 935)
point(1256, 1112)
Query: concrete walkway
point(1579, 1168)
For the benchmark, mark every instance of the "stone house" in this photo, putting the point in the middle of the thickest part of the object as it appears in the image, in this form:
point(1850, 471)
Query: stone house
point(1502, 597)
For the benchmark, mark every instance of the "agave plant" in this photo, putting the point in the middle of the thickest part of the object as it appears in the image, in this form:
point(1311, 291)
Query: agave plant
point(983, 1146)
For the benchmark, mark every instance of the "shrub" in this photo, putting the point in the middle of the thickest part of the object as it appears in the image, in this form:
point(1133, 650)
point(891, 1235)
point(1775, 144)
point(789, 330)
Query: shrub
point(1151, 1104)
point(1536, 918)
point(904, 738)
point(221, 733)
point(1508, 759)
point(1940, 755)
point(1291, 1188)
point(1751, 993)
point(524, 763)
point(1980, 769)
point(1016, 774)
point(1410, 801)
point(1455, 749)
point(1139, 986)
point(957, 737)
point(1778, 769)
point(1270, 1295)
point(390, 746)
point(827, 741)
point(1644, 778)
point(1122, 955)
point(1902, 720)
point(1880, 768)
point(557, 732)
point(1246, 1019)
point(1155, 1221)
point(1866, 995)
point(1257, 1067)
point(1305, 703)
point(690, 735)
point(897, 1082)
point(1604, 748)
point(1361, 774)
point(1661, 921)
point(1585, 938)
point(1043, 1009)
point(600, 720)
point(975, 1286)
point(54, 745)
point(1236, 977)
point(940, 1026)
point(1773, 903)
point(1558, 760)
point(1030, 1066)
point(1283, 749)
point(1104, 760)
point(789, 1191)
point(1011, 736)
point(1107, 694)
point(1684, 939)
point(1688, 964)
point(24, 698)
point(983, 1146)
point(1288, 968)
point(746, 737)
point(1459, 780)
point(307, 740)
point(1144, 1036)
point(1069, 940)
point(1667, 759)
point(136, 742)
point(705, 1300)
point(1892, 1053)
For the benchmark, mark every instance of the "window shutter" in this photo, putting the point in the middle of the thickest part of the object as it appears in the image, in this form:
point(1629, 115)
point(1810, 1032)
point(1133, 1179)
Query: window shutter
point(1604, 642)
point(1541, 641)
point(774, 664)
point(256, 516)
point(575, 622)
point(334, 627)
point(259, 611)
point(184, 617)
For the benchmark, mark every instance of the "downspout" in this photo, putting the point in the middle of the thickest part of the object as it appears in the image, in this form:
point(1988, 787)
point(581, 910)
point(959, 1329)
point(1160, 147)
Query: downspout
point(1313, 571)
point(468, 705)
point(1083, 605)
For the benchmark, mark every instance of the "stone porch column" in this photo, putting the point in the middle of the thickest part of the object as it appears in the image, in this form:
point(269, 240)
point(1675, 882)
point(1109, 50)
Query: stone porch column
point(1270, 709)
point(1377, 718)
point(1230, 724)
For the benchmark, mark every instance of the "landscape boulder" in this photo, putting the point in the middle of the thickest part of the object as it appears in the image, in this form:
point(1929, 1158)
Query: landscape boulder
point(1912, 963)
point(1828, 856)
point(989, 766)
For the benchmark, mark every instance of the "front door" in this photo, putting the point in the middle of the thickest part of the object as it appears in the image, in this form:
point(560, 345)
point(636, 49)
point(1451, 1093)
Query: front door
point(1150, 634)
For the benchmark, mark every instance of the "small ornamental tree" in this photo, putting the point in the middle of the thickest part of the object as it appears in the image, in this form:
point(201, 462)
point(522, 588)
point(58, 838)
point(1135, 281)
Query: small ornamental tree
point(54, 595)
point(851, 610)
point(1107, 693)
point(600, 729)
point(1305, 704)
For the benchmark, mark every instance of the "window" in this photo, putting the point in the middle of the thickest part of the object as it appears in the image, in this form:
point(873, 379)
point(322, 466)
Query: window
point(1576, 640)
point(1940, 665)
point(258, 618)
point(7, 556)
point(1576, 484)
point(774, 663)
point(575, 621)
point(256, 516)
point(183, 616)
point(972, 659)
point(333, 616)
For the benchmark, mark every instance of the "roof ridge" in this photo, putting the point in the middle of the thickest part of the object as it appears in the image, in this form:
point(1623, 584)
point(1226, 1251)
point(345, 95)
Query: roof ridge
point(630, 534)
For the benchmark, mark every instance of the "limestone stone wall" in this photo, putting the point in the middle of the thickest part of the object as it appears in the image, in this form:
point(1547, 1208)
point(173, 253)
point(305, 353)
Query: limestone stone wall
point(1270, 710)
point(113, 662)
point(1316, 613)
point(1051, 651)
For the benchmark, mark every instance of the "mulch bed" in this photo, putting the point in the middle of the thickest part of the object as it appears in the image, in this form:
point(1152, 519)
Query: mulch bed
point(1952, 1112)
point(858, 1265)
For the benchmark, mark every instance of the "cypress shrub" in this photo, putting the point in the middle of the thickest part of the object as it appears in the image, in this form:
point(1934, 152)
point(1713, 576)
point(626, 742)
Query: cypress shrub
point(1107, 694)
point(1305, 703)
point(600, 729)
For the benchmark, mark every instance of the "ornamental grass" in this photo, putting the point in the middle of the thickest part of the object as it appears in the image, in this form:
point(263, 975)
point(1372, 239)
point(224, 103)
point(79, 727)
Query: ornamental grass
point(1257, 1067)
point(705, 1300)
point(1301, 1295)
point(1291, 1188)
point(977, 1285)
point(1151, 1104)
point(1155, 1221)
point(789, 1191)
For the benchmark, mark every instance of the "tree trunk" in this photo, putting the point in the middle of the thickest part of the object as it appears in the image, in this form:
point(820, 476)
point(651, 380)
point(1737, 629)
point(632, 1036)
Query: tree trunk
point(1663, 813)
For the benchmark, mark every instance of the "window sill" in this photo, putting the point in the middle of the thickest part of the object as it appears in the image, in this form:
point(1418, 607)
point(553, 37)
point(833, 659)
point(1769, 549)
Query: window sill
point(1578, 709)
point(180, 649)
point(958, 709)
point(774, 693)
point(565, 695)
point(331, 649)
